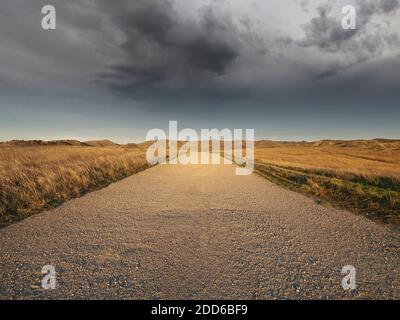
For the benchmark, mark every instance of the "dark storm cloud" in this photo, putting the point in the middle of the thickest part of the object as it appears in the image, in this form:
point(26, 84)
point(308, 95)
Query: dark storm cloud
point(176, 54)
point(34, 61)
point(163, 50)
point(169, 55)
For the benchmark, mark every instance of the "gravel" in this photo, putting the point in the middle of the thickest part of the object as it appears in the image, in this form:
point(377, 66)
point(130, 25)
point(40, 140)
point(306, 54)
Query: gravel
point(198, 232)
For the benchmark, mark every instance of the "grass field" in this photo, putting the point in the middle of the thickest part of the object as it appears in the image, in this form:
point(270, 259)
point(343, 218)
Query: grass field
point(362, 176)
point(34, 177)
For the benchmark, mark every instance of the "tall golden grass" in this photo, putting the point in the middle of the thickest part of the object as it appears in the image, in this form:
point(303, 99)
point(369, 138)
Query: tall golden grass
point(362, 177)
point(33, 178)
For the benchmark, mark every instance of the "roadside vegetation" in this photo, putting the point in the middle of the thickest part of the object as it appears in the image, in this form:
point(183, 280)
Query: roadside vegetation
point(361, 176)
point(36, 175)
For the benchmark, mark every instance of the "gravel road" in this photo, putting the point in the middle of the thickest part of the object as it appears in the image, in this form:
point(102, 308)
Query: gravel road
point(198, 232)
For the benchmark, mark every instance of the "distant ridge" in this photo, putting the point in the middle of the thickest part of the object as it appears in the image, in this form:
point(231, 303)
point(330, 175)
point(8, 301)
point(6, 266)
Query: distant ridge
point(376, 144)
point(131, 145)
point(100, 143)
point(372, 144)
point(42, 143)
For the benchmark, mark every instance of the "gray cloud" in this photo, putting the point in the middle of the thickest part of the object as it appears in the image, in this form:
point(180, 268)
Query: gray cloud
point(325, 31)
point(304, 4)
point(212, 56)
point(388, 5)
point(350, 47)
point(163, 51)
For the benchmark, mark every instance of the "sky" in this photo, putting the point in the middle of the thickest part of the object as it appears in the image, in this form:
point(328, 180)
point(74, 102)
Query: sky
point(116, 69)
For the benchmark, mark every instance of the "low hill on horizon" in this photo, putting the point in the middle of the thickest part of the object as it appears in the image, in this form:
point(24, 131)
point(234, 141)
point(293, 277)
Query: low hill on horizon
point(375, 144)
point(372, 143)
point(31, 143)
point(100, 143)
point(66, 142)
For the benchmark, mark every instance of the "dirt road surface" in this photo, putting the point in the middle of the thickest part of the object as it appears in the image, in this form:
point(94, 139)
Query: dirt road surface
point(198, 232)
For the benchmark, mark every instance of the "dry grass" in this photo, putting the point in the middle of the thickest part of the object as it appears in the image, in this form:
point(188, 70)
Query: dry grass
point(360, 176)
point(363, 176)
point(33, 178)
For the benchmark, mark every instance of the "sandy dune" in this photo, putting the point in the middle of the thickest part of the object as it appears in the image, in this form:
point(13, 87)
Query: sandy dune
point(200, 231)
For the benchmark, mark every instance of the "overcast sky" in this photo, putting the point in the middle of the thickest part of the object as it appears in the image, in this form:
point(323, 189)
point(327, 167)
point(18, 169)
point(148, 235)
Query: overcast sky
point(115, 69)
